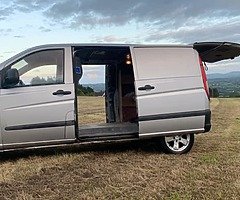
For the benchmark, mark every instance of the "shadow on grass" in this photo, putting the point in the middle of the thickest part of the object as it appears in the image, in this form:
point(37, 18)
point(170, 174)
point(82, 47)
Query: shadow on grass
point(148, 146)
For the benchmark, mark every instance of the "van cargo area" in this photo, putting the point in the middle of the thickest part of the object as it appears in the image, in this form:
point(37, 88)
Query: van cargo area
point(120, 97)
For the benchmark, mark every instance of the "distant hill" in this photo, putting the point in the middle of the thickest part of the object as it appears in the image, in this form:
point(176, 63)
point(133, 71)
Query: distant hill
point(96, 87)
point(235, 74)
point(228, 85)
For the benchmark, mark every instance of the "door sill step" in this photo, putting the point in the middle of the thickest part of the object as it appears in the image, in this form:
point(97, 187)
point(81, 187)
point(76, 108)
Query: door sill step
point(108, 131)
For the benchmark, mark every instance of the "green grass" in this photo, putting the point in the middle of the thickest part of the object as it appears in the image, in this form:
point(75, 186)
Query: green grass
point(210, 159)
point(132, 170)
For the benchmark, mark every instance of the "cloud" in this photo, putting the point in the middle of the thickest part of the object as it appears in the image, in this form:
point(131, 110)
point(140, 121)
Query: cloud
point(226, 64)
point(159, 12)
point(113, 12)
point(5, 32)
point(31, 5)
point(18, 36)
point(8, 52)
point(109, 39)
point(91, 13)
point(92, 75)
point(44, 29)
point(224, 29)
point(6, 11)
point(94, 68)
point(175, 21)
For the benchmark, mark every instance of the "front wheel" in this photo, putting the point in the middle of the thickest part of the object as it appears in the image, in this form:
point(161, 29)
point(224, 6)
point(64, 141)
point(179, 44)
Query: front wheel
point(178, 144)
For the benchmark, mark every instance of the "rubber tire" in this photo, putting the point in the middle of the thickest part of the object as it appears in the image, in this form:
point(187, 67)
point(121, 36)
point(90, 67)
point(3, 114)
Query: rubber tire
point(166, 149)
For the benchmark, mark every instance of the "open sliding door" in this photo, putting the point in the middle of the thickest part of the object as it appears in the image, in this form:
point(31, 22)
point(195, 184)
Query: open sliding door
point(170, 99)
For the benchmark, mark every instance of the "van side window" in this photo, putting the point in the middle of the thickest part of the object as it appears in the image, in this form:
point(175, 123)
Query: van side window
point(41, 68)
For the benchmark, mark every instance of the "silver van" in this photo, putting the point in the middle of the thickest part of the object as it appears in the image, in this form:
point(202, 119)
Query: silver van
point(158, 92)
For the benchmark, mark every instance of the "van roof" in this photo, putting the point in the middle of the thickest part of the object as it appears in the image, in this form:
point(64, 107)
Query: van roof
point(65, 45)
point(209, 51)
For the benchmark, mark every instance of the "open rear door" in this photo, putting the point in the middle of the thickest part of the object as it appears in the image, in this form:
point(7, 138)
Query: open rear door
point(216, 51)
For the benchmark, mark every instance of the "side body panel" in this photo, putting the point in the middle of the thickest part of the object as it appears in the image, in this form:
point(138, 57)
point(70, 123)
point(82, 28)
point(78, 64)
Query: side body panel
point(1, 145)
point(177, 101)
point(32, 115)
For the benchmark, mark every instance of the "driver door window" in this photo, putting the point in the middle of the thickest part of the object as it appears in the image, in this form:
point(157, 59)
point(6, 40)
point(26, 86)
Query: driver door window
point(41, 68)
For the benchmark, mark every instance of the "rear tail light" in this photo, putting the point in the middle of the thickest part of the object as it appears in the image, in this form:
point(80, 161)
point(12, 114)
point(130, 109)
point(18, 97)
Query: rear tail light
point(204, 77)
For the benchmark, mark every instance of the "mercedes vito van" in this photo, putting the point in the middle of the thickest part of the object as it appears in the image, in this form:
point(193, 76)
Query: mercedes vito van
point(150, 91)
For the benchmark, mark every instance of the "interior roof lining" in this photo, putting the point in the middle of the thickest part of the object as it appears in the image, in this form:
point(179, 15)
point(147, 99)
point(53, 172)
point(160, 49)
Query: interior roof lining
point(101, 55)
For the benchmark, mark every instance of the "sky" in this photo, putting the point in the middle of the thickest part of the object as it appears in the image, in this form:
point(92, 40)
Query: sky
point(28, 23)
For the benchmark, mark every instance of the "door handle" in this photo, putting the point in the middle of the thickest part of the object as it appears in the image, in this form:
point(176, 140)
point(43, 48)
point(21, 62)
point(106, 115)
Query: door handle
point(61, 92)
point(146, 87)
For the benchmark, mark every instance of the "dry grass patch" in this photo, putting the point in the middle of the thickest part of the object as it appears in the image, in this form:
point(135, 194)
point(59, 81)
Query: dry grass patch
point(132, 170)
point(91, 110)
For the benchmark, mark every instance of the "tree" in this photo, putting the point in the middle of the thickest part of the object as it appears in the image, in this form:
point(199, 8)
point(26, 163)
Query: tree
point(37, 81)
point(84, 91)
point(215, 92)
point(234, 94)
point(210, 92)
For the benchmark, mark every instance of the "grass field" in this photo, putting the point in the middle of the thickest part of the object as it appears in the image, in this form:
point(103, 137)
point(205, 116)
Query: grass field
point(132, 170)
point(91, 110)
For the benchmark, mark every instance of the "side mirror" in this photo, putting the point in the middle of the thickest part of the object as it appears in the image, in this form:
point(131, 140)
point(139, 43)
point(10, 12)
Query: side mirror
point(11, 77)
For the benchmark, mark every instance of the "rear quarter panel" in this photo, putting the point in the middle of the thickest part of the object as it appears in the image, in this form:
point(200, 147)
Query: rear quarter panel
point(1, 147)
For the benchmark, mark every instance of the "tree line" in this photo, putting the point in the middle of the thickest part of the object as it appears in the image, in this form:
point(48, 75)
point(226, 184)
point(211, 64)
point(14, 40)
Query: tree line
point(87, 91)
